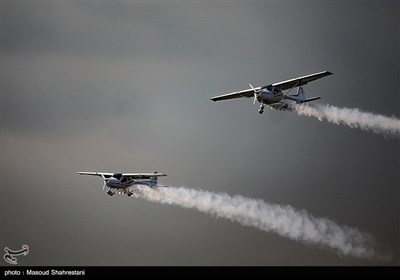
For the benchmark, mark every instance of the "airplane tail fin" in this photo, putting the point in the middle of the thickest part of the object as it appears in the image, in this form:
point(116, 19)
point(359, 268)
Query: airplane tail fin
point(153, 182)
point(300, 96)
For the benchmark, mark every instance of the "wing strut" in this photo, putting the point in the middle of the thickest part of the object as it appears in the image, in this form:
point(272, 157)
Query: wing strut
point(295, 85)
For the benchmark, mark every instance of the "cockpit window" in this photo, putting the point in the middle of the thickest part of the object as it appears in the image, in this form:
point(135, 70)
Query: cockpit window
point(117, 175)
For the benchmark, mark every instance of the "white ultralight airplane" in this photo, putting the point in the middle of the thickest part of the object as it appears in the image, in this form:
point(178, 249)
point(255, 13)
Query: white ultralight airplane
point(273, 95)
point(123, 183)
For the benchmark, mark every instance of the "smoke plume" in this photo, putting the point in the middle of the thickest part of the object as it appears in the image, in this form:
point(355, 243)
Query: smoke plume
point(283, 220)
point(353, 118)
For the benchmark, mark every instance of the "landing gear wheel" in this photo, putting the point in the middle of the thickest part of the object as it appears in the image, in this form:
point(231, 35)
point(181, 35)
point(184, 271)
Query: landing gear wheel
point(261, 110)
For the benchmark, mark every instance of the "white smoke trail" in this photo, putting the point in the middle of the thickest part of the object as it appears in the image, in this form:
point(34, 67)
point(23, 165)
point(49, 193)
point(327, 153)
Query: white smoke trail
point(284, 220)
point(353, 118)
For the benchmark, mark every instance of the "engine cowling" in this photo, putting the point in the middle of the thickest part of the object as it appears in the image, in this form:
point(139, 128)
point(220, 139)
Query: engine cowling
point(113, 182)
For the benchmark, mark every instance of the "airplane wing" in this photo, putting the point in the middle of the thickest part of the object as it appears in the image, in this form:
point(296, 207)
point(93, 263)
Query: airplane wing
point(237, 94)
point(296, 82)
point(131, 175)
point(143, 175)
point(300, 81)
point(100, 174)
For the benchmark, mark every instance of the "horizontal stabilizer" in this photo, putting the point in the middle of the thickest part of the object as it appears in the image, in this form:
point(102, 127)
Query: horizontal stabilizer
point(310, 99)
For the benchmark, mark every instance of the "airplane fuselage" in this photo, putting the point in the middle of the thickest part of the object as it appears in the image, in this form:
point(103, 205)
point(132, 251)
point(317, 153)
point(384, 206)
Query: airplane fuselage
point(119, 182)
point(126, 186)
point(269, 95)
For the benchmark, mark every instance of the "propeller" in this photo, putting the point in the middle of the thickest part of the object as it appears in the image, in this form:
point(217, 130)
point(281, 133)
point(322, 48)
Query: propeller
point(255, 94)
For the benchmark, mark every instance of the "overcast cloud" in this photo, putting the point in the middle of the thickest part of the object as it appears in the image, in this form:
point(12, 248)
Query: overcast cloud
point(125, 86)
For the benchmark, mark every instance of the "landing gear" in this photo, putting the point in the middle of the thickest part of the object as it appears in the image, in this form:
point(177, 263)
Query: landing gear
point(110, 193)
point(129, 194)
point(261, 110)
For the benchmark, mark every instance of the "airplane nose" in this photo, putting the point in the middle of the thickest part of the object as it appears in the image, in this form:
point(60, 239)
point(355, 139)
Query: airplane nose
point(112, 181)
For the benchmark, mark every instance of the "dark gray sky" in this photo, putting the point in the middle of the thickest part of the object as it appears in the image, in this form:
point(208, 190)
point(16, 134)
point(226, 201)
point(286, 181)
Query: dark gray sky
point(125, 86)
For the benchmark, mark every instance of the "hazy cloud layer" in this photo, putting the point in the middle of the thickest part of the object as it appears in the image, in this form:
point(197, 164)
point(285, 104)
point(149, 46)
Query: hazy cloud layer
point(126, 86)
